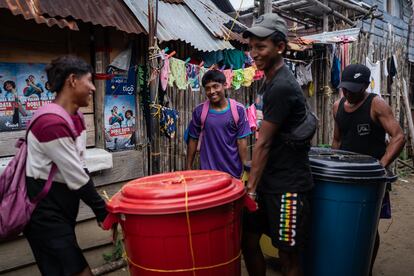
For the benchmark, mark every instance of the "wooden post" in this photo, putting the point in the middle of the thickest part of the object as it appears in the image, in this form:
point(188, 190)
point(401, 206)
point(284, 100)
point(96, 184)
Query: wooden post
point(267, 6)
point(293, 5)
point(155, 123)
point(326, 9)
point(408, 112)
point(350, 6)
point(371, 39)
point(326, 91)
point(101, 62)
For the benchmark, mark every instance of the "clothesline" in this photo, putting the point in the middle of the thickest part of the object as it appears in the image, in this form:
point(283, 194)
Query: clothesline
point(181, 74)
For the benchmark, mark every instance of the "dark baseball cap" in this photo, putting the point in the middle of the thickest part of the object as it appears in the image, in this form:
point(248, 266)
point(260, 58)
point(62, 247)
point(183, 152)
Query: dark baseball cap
point(266, 25)
point(355, 77)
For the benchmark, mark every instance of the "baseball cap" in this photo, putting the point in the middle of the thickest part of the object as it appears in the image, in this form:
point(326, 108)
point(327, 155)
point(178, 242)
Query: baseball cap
point(266, 25)
point(355, 77)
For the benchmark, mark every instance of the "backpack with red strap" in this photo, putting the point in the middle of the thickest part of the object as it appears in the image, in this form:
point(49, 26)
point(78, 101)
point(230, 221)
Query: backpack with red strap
point(15, 206)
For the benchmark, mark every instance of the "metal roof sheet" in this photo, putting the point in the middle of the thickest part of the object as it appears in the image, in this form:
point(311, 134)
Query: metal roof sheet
point(30, 11)
point(179, 22)
point(107, 13)
point(335, 36)
point(213, 18)
point(224, 5)
point(173, 1)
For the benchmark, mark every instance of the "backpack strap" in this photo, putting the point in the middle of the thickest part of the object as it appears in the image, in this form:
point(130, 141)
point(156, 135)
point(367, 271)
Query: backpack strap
point(234, 112)
point(203, 118)
point(204, 113)
point(56, 109)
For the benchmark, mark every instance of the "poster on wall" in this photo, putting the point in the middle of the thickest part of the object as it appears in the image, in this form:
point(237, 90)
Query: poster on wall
point(120, 109)
point(23, 89)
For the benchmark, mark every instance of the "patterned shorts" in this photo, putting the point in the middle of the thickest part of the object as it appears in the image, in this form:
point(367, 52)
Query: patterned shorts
point(283, 217)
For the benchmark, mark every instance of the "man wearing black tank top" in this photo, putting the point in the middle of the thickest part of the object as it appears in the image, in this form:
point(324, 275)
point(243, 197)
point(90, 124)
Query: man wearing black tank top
point(362, 120)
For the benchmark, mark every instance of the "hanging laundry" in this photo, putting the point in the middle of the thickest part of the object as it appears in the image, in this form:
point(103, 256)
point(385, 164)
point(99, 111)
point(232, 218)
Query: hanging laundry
point(201, 73)
point(336, 72)
point(248, 75)
point(395, 61)
point(259, 112)
point(291, 65)
point(311, 90)
point(228, 73)
point(235, 58)
point(251, 117)
point(238, 78)
point(249, 59)
point(164, 74)
point(211, 58)
point(392, 68)
point(259, 75)
point(178, 74)
point(304, 74)
point(344, 55)
point(384, 68)
point(168, 122)
point(193, 76)
point(375, 85)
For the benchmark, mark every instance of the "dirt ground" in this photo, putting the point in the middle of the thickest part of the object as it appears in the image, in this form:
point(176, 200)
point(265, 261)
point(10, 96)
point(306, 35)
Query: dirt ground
point(396, 253)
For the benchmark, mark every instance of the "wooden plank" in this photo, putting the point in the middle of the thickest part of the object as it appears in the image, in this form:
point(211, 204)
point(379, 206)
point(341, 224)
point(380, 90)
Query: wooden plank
point(85, 212)
point(127, 165)
point(99, 114)
point(8, 140)
point(88, 109)
point(93, 256)
point(17, 253)
point(90, 130)
point(408, 113)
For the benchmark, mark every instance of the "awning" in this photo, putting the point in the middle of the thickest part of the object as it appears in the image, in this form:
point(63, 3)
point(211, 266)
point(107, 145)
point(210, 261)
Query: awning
point(30, 11)
point(63, 13)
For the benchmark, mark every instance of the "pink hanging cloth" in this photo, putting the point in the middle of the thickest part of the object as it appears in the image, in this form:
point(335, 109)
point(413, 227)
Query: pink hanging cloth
point(165, 71)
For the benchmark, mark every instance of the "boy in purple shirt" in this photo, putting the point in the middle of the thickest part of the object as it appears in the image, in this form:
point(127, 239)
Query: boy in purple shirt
point(224, 143)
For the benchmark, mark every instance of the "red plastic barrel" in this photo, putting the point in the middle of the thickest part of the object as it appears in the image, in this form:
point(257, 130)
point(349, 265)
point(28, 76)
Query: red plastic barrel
point(183, 223)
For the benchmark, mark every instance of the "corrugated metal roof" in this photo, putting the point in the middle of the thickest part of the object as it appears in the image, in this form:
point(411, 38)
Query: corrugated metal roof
point(30, 11)
point(173, 1)
point(224, 5)
point(213, 18)
point(107, 13)
point(178, 22)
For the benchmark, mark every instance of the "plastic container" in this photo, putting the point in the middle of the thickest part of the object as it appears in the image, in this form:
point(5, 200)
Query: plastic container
point(177, 223)
point(346, 203)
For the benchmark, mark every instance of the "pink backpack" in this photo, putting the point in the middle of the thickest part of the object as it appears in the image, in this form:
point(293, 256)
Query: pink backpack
point(204, 113)
point(15, 205)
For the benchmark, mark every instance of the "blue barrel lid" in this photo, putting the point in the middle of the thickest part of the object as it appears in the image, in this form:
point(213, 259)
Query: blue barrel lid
point(345, 167)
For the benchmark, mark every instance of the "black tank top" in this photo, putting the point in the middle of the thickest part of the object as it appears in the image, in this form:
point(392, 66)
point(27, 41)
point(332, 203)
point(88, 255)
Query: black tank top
point(359, 133)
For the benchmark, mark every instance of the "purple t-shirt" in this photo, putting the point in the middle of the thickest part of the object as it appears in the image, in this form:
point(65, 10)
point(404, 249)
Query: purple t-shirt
point(219, 149)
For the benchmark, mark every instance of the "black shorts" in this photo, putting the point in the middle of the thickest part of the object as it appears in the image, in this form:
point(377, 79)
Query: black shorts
point(283, 217)
point(58, 256)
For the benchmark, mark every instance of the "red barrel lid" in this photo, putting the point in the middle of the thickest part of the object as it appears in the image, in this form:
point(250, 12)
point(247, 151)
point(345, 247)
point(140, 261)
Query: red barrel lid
point(166, 193)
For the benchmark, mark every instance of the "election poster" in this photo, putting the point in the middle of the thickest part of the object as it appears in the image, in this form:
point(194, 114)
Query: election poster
point(120, 110)
point(23, 89)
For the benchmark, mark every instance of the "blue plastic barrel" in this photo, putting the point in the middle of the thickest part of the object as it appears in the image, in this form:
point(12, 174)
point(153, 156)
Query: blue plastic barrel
point(346, 203)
